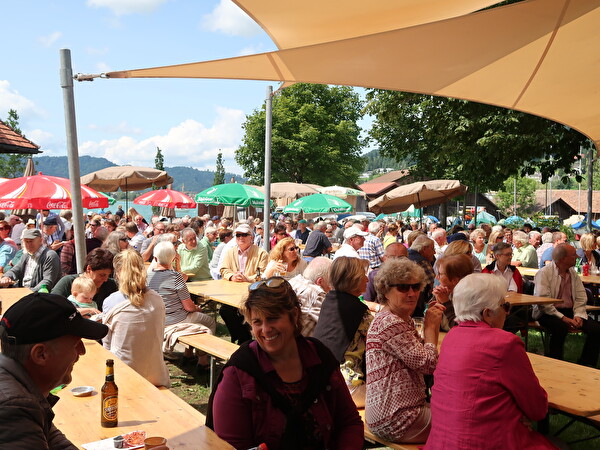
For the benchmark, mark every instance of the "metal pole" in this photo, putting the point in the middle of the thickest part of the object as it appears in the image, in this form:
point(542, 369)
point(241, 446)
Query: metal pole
point(267, 188)
point(515, 197)
point(590, 192)
point(66, 83)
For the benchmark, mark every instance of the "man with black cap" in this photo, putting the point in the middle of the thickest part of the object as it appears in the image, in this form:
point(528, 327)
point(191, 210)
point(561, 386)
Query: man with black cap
point(38, 266)
point(41, 341)
point(49, 234)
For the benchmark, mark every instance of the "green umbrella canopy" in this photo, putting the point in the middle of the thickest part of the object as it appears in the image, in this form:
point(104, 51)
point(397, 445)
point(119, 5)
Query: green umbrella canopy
point(318, 203)
point(485, 217)
point(231, 194)
point(111, 201)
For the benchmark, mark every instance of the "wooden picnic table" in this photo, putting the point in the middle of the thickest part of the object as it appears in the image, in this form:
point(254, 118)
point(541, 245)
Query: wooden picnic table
point(222, 291)
point(571, 388)
point(517, 299)
point(587, 279)
point(12, 295)
point(142, 406)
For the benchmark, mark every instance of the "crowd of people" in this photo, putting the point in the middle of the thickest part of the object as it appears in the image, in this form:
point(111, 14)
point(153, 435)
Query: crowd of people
point(324, 332)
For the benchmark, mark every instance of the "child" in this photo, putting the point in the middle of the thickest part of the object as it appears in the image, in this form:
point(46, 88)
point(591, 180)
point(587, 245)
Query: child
point(83, 290)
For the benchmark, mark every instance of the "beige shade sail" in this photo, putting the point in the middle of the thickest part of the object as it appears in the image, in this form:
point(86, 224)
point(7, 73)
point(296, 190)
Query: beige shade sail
point(419, 194)
point(290, 190)
point(537, 56)
point(126, 178)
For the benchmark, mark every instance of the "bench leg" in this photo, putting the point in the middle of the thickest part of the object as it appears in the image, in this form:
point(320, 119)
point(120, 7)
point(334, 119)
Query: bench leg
point(211, 373)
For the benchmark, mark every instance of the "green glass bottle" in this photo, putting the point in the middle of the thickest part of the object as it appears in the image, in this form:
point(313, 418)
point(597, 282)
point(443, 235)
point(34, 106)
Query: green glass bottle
point(44, 289)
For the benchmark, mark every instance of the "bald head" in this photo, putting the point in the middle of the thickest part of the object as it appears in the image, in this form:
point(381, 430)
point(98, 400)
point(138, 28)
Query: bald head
point(395, 250)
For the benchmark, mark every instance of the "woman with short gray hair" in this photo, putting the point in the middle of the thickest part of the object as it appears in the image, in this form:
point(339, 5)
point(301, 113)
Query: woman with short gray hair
point(398, 357)
point(484, 376)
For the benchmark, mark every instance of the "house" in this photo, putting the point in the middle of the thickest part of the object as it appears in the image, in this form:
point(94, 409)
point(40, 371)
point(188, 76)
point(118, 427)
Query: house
point(13, 142)
point(566, 202)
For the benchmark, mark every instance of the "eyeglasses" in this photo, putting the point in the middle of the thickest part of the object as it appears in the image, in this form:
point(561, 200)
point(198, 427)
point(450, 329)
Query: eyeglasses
point(238, 235)
point(505, 254)
point(403, 287)
point(124, 239)
point(506, 307)
point(291, 249)
point(271, 283)
point(4, 228)
point(280, 234)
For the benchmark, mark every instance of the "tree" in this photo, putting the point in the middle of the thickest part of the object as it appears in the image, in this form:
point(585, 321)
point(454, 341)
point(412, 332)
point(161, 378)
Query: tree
point(315, 137)
point(159, 163)
point(480, 145)
point(525, 197)
point(219, 170)
point(12, 166)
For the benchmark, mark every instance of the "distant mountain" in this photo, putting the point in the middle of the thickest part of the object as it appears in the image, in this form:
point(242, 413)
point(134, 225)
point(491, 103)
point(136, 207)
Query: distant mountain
point(187, 178)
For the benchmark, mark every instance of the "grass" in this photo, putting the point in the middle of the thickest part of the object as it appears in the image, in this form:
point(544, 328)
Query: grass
point(190, 382)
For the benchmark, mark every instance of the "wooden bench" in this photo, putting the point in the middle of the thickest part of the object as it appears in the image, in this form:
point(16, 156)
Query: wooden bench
point(376, 440)
point(213, 345)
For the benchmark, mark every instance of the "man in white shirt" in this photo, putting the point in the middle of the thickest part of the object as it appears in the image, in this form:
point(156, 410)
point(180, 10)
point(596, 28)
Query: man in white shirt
point(354, 238)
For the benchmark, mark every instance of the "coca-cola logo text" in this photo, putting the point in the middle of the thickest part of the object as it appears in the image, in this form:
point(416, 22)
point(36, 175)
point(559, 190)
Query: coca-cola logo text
point(58, 204)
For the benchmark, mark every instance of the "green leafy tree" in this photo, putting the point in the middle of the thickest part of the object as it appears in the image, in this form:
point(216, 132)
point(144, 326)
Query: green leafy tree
point(525, 198)
point(12, 166)
point(219, 170)
point(315, 137)
point(480, 145)
point(159, 163)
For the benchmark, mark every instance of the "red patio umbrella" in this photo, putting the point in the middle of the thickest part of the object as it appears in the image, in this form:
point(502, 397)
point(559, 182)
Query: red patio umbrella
point(45, 192)
point(166, 198)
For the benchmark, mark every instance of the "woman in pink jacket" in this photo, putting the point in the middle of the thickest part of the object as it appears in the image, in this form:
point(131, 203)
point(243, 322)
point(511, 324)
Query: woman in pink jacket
point(485, 393)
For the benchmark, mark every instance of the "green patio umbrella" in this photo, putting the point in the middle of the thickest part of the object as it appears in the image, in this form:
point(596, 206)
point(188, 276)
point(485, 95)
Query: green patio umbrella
point(318, 203)
point(231, 194)
point(111, 201)
point(485, 217)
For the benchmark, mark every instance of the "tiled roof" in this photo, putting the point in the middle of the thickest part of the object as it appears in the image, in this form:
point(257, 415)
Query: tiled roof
point(390, 177)
point(573, 198)
point(376, 188)
point(13, 142)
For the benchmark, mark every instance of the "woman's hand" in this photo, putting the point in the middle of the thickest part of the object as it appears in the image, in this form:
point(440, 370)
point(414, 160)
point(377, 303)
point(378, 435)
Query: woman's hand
point(441, 293)
point(88, 311)
point(433, 319)
point(272, 267)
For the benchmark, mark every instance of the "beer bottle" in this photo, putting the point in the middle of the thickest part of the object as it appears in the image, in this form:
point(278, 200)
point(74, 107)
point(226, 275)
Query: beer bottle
point(44, 289)
point(110, 398)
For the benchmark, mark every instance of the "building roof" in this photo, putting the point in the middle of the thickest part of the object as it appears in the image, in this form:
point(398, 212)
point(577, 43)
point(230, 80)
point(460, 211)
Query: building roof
point(13, 142)
point(574, 198)
point(375, 189)
point(391, 177)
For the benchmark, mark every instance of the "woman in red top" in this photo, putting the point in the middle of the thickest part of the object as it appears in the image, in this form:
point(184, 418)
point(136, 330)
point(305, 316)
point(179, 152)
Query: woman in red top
point(484, 378)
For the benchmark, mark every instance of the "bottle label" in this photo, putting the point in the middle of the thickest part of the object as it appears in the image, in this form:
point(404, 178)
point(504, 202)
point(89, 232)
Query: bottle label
point(110, 407)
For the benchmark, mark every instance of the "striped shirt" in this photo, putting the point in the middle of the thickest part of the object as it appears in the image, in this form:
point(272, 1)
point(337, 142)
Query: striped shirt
point(171, 287)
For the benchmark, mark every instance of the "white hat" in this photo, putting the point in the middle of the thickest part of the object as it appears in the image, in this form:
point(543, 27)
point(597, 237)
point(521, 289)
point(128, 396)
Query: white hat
point(243, 228)
point(353, 231)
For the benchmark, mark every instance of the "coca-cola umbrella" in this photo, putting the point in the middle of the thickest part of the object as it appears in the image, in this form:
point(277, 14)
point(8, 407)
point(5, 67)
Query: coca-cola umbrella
point(45, 192)
point(166, 198)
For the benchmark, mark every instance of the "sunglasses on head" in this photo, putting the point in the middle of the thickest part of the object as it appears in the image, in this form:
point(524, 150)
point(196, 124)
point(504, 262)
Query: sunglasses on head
point(237, 235)
point(404, 287)
point(271, 283)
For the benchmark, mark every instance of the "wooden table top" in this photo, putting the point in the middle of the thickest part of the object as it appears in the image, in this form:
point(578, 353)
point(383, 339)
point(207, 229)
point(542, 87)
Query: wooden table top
point(528, 271)
point(227, 292)
point(589, 279)
point(570, 387)
point(517, 299)
point(10, 296)
point(142, 406)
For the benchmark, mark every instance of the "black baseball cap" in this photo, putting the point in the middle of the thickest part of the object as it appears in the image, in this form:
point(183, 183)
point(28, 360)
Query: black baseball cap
point(40, 317)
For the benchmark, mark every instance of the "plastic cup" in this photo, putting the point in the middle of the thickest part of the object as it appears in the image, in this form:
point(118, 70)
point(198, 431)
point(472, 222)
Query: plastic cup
point(419, 325)
point(154, 441)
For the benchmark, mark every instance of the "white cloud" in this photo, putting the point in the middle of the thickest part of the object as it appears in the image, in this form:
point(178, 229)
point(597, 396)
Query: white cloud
point(190, 144)
point(252, 50)
point(103, 67)
point(229, 19)
point(119, 129)
point(12, 99)
point(50, 39)
point(123, 7)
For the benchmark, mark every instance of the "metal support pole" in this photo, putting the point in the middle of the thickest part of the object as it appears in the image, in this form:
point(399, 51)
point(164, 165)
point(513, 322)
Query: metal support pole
point(66, 83)
point(588, 225)
point(267, 189)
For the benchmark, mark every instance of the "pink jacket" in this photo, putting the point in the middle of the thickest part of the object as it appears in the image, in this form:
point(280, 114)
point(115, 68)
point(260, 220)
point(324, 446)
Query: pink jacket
point(484, 387)
point(245, 417)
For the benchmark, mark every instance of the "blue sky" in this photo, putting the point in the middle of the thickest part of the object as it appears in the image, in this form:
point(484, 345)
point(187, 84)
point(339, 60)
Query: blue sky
point(124, 120)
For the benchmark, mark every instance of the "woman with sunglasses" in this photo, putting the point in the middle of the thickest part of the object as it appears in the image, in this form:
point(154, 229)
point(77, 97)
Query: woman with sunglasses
point(483, 377)
point(398, 358)
point(282, 389)
point(285, 259)
point(116, 242)
point(344, 321)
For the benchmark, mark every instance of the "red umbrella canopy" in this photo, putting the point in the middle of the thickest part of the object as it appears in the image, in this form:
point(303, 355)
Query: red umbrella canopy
point(166, 198)
point(45, 192)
